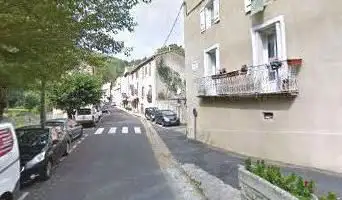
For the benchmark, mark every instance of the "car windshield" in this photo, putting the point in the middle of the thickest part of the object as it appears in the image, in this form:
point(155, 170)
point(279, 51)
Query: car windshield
point(84, 111)
point(168, 112)
point(32, 137)
point(53, 123)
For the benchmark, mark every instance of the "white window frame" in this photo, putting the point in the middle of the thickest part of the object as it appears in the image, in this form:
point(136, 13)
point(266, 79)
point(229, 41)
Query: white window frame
point(205, 64)
point(279, 23)
point(209, 17)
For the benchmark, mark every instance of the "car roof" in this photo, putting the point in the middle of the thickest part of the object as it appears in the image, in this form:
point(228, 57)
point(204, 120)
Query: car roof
point(32, 128)
point(57, 120)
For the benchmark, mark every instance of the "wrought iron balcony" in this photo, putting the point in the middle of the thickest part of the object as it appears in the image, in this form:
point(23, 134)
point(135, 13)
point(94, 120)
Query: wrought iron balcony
point(275, 78)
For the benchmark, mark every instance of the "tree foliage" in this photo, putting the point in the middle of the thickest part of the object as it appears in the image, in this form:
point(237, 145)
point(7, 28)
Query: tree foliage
point(112, 69)
point(178, 49)
point(41, 40)
point(74, 91)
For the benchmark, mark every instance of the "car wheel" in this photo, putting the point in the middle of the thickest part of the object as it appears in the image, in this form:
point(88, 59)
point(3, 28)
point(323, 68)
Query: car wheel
point(47, 171)
point(163, 124)
point(67, 149)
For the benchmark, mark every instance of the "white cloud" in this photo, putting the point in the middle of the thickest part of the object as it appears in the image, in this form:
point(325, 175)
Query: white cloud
point(154, 23)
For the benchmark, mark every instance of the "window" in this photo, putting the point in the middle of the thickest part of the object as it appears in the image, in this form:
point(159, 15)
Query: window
point(149, 70)
point(211, 60)
point(145, 70)
point(142, 92)
point(210, 14)
point(268, 41)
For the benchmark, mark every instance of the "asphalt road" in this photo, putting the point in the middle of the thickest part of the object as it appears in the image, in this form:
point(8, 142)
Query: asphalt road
point(112, 161)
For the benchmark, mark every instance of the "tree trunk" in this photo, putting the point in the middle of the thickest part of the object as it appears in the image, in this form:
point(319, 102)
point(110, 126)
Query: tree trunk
point(70, 114)
point(42, 103)
point(3, 100)
point(110, 92)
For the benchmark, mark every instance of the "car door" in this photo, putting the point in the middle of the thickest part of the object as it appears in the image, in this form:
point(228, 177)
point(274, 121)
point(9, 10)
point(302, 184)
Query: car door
point(71, 128)
point(158, 115)
point(77, 128)
point(55, 145)
point(61, 144)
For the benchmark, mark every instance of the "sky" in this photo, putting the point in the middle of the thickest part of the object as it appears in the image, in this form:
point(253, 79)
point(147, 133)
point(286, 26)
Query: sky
point(154, 23)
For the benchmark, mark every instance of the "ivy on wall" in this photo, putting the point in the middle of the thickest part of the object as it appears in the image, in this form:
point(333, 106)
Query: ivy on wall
point(171, 78)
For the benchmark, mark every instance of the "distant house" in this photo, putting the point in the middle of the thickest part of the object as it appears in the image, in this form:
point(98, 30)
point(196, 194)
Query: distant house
point(264, 78)
point(158, 81)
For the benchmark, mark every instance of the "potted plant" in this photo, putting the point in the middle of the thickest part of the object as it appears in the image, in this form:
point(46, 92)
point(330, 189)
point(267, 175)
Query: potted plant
point(295, 62)
point(261, 181)
point(244, 69)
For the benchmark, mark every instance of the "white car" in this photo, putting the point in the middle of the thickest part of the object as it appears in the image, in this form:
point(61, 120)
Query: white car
point(9, 163)
point(87, 116)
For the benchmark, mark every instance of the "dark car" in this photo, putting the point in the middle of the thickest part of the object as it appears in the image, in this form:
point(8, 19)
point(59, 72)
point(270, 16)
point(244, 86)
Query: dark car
point(74, 129)
point(150, 113)
point(40, 149)
point(167, 118)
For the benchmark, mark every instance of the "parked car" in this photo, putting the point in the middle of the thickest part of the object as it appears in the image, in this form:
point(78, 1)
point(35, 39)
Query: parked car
point(166, 118)
point(87, 116)
point(40, 149)
point(73, 128)
point(150, 113)
point(9, 162)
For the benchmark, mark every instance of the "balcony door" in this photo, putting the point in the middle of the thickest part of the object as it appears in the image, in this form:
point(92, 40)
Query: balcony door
point(269, 45)
point(211, 67)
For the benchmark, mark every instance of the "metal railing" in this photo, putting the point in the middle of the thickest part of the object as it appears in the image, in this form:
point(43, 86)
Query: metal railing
point(254, 80)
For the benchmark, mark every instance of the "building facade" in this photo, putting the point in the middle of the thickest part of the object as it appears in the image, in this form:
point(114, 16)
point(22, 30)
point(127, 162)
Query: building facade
point(159, 81)
point(263, 77)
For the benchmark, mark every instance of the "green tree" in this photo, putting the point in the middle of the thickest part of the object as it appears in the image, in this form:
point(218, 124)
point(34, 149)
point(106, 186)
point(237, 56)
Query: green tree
point(74, 91)
point(31, 100)
point(41, 40)
point(113, 68)
point(178, 49)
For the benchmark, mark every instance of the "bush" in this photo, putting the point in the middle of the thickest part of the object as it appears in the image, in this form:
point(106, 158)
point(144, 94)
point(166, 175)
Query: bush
point(293, 184)
point(128, 108)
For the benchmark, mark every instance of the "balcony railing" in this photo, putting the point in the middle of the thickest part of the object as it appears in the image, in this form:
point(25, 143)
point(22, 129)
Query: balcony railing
point(275, 78)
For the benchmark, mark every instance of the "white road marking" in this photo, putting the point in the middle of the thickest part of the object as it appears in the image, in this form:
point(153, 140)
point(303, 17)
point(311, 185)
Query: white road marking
point(137, 130)
point(23, 196)
point(124, 130)
point(112, 130)
point(99, 131)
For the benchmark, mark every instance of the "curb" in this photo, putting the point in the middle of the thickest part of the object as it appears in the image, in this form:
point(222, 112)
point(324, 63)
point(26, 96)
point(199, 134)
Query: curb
point(207, 185)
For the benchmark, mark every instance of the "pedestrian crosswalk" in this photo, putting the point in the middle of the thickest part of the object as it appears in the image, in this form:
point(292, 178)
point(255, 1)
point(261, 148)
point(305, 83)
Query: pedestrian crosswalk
point(118, 130)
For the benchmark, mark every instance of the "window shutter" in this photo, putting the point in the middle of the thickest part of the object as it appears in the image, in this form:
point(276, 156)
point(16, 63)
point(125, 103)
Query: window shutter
point(248, 5)
point(208, 17)
point(216, 11)
point(202, 18)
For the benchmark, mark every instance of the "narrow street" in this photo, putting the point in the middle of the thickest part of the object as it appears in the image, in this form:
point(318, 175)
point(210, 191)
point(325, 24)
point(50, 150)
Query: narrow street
point(113, 161)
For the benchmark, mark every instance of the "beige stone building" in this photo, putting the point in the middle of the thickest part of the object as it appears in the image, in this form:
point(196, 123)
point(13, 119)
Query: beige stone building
point(265, 78)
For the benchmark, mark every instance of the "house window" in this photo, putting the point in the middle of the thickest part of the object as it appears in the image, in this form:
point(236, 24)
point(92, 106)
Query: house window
point(210, 14)
point(145, 70)
point(149, 70)
point(268, 41)
point(211, 60)
point(142, 92)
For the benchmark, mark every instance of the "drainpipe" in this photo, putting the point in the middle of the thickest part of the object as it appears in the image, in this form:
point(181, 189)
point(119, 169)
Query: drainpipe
point(194, 112)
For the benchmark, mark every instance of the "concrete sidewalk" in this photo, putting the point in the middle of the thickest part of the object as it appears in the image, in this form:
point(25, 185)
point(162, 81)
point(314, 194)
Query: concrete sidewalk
point(223, 164)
